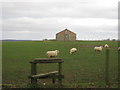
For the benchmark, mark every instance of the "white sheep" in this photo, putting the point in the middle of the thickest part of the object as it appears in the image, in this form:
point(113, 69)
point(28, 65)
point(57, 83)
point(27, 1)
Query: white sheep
point(106, 46)
point(52, 53)
point(73, 50)
point(118, 48)
point(98, 48)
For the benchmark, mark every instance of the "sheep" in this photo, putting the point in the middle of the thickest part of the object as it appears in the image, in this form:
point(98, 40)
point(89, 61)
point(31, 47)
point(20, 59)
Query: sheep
point(98, 48)
point(52, 53)
point(106, 46)
point(118, 48)
point(73, 50)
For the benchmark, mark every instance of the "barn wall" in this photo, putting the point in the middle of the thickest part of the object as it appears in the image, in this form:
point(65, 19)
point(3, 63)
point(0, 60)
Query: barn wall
point(60, 37)
point(72, 36)
point(66, 36)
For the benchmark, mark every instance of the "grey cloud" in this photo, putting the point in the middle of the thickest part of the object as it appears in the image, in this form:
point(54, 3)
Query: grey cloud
point(27, 20)
point(29, 35)
point(58, 9)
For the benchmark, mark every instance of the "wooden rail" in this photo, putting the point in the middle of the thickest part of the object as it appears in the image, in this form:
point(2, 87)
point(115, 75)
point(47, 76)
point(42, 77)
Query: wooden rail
point(43, 75)
point(51, 75)
point(47, 60)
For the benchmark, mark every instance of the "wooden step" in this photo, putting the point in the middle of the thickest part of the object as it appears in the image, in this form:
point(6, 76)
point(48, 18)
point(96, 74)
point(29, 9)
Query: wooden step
point(43, 75)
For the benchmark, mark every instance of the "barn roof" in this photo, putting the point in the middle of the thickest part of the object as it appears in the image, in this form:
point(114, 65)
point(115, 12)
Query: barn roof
point(65, 30)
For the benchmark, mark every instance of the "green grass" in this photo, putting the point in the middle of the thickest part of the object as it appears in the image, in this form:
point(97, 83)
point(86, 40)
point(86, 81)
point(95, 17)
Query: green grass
point(80, 69)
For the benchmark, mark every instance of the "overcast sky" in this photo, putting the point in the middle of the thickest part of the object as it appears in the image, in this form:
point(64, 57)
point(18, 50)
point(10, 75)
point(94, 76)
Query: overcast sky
point(41, 19)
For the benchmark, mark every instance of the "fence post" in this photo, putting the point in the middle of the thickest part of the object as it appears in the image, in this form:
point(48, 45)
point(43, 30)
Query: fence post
point(33, 72)
point(118, 69)
point(107, 67)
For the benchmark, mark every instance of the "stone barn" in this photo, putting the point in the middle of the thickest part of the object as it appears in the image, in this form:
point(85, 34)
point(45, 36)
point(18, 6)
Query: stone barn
point(66, 35)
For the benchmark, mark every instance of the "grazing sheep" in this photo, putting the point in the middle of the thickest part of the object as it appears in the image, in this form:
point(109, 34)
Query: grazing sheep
point(106, 46)
point(52, 53)
point(98, 48)
point(118, 48)
point(73, 50)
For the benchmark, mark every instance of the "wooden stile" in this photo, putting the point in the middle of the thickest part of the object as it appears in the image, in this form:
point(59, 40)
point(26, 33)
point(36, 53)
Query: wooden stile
point(51, 75)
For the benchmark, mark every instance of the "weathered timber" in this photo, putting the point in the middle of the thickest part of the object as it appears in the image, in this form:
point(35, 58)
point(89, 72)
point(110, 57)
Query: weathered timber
point(33, 72)
point(60, 72)
point(53, 79)
point(51, 75)
point(43, 75)
point(47, 60)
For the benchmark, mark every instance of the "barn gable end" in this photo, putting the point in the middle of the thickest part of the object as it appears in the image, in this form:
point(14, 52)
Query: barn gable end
point(66, 35)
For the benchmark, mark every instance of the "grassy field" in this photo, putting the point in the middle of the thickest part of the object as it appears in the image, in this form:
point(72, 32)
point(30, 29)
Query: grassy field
point(84, 68)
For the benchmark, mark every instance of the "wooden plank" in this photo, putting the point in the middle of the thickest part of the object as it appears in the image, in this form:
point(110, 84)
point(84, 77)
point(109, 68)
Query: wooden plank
point(49, 77)
point(53, 77)
point(47, 60)
point(43, 75)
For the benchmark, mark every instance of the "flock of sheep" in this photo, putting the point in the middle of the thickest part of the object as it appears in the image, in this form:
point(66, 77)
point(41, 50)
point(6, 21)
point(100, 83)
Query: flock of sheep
point(99, 49)
point(55, 53)
point(73, 50)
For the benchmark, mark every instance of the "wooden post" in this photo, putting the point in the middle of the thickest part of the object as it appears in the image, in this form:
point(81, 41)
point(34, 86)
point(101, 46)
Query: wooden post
point(60, 72)
point(33, 72)
point(53, 80)
point(107, 67)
